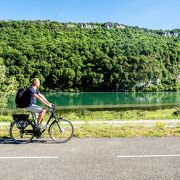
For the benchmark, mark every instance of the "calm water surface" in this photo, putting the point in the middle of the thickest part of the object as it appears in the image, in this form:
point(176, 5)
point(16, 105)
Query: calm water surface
point(109, 99)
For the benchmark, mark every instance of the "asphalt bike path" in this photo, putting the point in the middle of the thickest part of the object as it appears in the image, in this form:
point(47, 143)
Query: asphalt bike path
point(146, 123)
point(92, 159)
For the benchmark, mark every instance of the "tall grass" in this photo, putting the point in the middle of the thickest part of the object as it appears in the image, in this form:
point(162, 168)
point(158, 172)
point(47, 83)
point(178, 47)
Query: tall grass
point(88, 115)
point(109, 131)
point(106, 115)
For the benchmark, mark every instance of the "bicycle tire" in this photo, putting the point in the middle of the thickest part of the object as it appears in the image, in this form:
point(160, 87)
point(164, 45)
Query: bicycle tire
point(20, 128)
point(61, 130)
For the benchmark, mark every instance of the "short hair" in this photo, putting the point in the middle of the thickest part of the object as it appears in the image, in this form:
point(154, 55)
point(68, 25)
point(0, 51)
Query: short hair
point(34, 80)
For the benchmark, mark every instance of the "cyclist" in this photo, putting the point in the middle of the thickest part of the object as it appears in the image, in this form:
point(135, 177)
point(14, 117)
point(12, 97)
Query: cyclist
point(33, 94)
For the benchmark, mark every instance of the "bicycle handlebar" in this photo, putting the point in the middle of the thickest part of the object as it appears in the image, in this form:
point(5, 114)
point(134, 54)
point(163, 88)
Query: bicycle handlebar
point(52, 108)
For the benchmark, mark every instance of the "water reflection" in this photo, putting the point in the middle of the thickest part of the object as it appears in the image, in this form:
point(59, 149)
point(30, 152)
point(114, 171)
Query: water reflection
point(109, 98)
point(101, 98)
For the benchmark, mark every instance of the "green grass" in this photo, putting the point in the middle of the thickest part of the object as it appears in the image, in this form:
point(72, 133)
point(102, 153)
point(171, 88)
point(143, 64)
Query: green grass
point(6, 118)
point(108, 115)
point(160, 130)
point(110, 131)
point(102, 130)
point(4, 132)
point(88, 115)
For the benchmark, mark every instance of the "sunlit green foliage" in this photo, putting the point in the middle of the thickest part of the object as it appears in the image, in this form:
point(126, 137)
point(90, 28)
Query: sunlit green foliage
point(7, 85)
point(69, 57)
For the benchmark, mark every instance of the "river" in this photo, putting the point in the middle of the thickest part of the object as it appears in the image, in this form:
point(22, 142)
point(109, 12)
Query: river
point(109, 99)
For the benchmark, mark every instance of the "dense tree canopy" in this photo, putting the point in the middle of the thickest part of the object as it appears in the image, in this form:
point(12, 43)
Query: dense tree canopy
point(90, 57)
point(7, 85)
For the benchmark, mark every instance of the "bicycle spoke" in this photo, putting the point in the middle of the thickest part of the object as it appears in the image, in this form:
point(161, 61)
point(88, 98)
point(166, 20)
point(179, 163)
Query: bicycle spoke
point(61, 131)
point(22, 131)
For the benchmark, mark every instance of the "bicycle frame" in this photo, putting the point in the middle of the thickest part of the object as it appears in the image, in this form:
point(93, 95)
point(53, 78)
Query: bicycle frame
point(64, 129)
point(52, 115)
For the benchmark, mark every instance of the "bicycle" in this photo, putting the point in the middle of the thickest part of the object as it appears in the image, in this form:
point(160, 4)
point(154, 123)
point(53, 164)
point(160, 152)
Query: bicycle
point(23, 130)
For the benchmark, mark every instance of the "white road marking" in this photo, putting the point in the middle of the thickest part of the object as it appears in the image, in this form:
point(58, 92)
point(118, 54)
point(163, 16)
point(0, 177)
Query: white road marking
point(33, 157)
point(148, 156)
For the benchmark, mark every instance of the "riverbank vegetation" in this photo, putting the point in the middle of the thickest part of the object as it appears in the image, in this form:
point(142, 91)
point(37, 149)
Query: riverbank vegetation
point(90, 57)
point(110, 131)
point(8, 85)
point(107, 115)
point(123, 115)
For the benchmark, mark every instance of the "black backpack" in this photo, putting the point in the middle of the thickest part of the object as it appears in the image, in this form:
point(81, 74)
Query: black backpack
point(22, 98)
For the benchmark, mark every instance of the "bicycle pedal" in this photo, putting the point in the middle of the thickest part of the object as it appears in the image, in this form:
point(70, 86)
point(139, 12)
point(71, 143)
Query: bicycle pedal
point(62, 130)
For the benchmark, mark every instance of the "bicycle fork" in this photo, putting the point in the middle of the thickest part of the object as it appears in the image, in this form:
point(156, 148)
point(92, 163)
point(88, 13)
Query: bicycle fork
point(60, 128)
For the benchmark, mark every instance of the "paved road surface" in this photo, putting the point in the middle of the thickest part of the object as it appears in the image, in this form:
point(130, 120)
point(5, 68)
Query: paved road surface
point(147, 123)
point(92, 159)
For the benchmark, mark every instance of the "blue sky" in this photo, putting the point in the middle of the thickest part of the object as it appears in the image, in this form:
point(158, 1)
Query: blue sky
point(152, 14)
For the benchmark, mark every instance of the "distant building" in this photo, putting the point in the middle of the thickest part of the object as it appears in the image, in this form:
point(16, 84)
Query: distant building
point(114, 25)
point(88, 26)
point(153, 81)
point(71, 25)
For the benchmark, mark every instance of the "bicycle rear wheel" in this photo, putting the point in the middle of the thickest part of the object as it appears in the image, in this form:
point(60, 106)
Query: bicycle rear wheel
point(61, 131)
point(21, 131)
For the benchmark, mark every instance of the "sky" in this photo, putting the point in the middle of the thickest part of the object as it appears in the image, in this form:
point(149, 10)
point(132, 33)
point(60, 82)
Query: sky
point(152, 14)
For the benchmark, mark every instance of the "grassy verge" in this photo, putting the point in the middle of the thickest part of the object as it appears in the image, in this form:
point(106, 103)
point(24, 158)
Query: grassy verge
point(102, 130)
point(89, 115)
point(4, 132)
point(109, 131)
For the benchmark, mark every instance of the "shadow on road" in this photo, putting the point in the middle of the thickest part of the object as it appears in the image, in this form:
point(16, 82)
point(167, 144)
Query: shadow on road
point(7, 140)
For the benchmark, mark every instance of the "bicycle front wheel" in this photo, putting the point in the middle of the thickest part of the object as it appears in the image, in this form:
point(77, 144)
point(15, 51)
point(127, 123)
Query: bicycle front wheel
point(61, 130)
point(21, 131)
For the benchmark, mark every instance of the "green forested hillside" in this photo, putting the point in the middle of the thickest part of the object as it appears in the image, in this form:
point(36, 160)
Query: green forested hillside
point(91, 57)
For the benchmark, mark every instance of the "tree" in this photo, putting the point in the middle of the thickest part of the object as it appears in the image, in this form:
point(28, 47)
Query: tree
point(89, 57)
point(7, 85)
